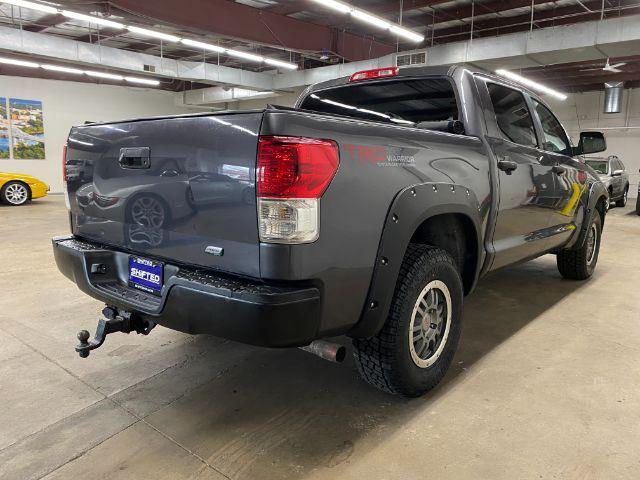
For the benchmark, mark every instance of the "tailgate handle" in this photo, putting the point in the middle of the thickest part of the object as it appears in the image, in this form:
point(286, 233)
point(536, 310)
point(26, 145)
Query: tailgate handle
point(136, 157)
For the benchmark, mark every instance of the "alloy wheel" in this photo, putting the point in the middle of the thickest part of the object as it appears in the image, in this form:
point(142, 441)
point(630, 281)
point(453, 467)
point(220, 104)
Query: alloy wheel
point(430, 324)
point(16, 194)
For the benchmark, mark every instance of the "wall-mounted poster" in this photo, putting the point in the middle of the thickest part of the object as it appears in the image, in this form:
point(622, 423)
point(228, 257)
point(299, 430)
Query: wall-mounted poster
point(27, 129)
point(5, 138)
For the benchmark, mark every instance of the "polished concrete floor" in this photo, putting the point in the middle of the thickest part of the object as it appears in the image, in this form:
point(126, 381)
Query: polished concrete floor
point(545, 385)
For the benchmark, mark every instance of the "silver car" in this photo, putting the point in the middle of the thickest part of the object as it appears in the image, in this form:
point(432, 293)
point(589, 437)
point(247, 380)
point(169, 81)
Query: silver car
point(614, 175)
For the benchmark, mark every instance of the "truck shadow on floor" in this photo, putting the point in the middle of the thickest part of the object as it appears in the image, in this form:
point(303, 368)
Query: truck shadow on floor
point(285, 413)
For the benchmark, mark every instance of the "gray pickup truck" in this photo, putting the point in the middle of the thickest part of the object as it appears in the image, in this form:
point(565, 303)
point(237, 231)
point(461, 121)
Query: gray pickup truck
point(369, 210)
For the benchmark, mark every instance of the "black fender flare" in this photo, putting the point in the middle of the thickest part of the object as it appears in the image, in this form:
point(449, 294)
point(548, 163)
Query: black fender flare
point(409, 209)
point(596, 191)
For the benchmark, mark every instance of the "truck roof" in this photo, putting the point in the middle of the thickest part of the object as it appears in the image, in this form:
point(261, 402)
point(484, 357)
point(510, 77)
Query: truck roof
point(440, 70)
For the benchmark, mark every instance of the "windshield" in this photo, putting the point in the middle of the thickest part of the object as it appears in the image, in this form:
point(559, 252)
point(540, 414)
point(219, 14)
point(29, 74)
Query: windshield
point(407, 102)
point(600, 166)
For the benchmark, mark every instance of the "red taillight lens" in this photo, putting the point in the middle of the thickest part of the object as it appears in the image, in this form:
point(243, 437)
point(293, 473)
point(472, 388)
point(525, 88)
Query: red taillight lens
point(64, 163)
point(371, 74)
point(295, 167)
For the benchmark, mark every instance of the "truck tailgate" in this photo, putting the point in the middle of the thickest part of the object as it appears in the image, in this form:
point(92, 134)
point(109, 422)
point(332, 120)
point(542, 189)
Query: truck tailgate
point(177, 188)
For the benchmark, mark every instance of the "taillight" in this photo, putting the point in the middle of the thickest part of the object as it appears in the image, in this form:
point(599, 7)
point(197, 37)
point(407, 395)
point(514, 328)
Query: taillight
point(376, 73)
point(64, 163)
point(292, 174)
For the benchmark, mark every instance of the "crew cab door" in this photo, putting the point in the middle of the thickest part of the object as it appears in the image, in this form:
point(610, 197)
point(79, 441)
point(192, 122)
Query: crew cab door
point(526, 181)
point(569, 186)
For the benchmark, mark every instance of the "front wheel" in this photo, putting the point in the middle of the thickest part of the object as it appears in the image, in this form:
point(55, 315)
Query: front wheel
point(413, 350)
point(15, 193)
point(638, 203)
point(579, 264)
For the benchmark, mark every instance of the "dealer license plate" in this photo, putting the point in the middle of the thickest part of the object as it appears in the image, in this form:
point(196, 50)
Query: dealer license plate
point(145, 274)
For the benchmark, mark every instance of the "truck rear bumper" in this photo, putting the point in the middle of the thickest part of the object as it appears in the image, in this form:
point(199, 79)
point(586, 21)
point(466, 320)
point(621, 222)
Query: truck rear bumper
point(196, 301)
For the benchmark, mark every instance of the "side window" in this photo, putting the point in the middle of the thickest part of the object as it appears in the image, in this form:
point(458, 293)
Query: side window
point(555, 139)
point(621, 165)
point(513, 116)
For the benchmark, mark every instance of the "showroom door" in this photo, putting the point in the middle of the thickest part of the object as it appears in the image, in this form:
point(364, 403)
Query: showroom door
point(526, 182)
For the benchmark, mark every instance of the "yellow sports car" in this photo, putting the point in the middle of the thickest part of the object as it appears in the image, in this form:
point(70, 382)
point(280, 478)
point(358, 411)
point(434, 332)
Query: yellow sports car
point(18, 189)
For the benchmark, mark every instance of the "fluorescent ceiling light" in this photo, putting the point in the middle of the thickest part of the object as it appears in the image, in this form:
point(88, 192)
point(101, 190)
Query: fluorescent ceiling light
point(204, 46)
point(92, 19)
point(531, 84)
point(245, 55)
point(338, 6)
point(142, 81)
point(58, 68)
point(161, 35)
point(32, 5)
point(153, 33)
point(280, 63)
point(109, 76)
point(373, 20)
point(20, 63)
point(408, 34)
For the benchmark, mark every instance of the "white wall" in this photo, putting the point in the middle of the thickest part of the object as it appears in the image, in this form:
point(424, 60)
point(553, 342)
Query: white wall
point(65, 104)
point(583, 111)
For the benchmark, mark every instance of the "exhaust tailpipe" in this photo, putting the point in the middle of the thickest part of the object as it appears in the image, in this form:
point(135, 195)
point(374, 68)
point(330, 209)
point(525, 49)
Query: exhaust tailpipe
point(332, 352)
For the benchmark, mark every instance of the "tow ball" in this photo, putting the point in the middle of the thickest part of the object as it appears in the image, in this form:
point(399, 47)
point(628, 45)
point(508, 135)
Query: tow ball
point(116, 321)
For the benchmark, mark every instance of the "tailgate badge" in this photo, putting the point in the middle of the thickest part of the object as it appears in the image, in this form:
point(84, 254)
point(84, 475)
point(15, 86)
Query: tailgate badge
point(217, 251)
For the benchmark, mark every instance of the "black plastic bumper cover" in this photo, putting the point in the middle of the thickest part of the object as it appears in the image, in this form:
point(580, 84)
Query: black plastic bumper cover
point(196, 301)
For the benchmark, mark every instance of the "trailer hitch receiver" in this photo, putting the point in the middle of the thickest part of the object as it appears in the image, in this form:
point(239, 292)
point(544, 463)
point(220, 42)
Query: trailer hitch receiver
point(116, 321)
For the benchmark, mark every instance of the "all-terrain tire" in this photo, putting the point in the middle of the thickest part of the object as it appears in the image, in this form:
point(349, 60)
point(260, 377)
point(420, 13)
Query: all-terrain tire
point(385, 360)
point(579, 264)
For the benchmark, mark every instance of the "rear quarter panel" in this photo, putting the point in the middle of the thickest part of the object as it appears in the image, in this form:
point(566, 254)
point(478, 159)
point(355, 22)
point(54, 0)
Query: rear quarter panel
point(377, 162)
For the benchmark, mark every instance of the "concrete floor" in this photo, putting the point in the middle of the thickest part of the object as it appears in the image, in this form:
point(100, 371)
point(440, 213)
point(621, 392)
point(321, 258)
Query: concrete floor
point(545, 385)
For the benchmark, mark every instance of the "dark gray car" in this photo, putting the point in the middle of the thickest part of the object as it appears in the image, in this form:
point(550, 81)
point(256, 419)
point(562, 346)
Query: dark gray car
point(614, 176)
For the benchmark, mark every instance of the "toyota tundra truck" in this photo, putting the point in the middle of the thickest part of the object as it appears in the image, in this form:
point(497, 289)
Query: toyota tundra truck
point(370, 210)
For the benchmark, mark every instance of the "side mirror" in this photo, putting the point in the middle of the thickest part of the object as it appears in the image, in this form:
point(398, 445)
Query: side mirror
point(590, 142)
point(617, 173)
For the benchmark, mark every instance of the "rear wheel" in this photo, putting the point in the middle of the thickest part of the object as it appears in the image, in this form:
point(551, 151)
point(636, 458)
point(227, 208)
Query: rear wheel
point(638, 203)
point(414, 348)
point(623, 201)
point(15, 193)
point(579, 264)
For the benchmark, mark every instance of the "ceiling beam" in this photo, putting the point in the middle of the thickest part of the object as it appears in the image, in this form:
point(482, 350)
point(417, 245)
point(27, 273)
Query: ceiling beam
point(54, 48)
point(592, 79)
point(407, 6)
point(462, 12)
point(541, 19)
point(240, 21)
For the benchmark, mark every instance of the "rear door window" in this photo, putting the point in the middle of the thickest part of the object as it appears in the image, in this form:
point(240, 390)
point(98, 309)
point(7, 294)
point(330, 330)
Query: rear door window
point(404, 102)
point(512, 115)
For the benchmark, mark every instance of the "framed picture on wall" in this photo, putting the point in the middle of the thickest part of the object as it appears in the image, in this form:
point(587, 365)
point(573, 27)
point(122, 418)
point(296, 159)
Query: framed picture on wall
point(27, 129)
point(5, 137)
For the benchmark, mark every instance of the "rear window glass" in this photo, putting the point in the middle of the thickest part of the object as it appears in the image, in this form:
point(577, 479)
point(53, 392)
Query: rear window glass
point(405, 102)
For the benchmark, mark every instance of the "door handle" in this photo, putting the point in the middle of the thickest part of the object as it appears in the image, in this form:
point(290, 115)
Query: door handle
point(507, 165)
point(558, 169)
point(134, 158)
